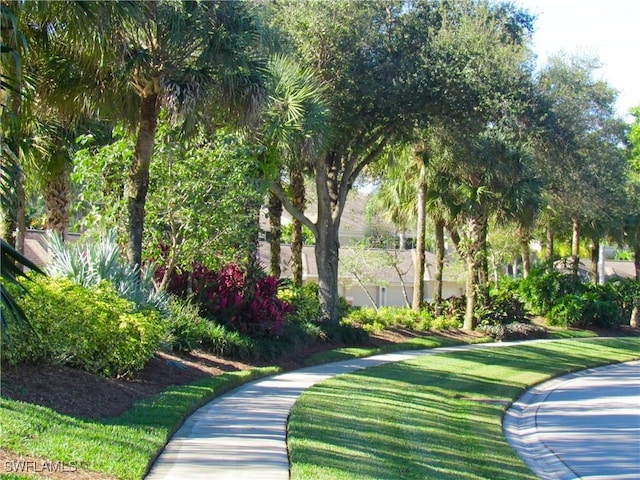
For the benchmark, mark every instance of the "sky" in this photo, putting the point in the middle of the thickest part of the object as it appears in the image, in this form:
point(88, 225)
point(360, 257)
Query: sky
point(607, 29)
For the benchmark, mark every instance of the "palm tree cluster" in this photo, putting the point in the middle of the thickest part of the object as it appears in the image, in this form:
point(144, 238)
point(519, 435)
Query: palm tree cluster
point(439, 101)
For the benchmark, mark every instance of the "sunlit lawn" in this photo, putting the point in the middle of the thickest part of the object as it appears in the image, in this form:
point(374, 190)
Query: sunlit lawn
point(435, 417)
point(122, 446)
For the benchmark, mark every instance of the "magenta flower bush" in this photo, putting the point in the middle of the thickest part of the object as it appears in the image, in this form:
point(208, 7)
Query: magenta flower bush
point(228, 298)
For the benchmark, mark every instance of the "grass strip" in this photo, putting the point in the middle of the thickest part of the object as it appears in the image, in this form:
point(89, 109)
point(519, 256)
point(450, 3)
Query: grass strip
point(434, 417)
point(123, 446)
point(416, 343)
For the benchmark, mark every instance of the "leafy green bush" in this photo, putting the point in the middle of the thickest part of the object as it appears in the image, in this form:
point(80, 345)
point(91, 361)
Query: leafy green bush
point(542, 290)
point(429, 317)
point(503, 307)
point(625, 293)
point(89, 328)
point(596, 307)
point(185, 327)
point(305, 302)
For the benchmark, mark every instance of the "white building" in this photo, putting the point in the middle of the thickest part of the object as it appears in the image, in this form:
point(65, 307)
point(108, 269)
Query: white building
point(367, 276)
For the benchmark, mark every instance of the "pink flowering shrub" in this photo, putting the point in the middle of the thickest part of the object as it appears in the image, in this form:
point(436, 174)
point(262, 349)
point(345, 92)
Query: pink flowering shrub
point(226, 297)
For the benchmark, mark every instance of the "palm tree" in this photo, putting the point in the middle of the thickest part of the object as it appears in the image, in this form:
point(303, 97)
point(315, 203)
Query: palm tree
point(295, 126)
point(192, 58)
point(12, 261)
point(63, 45)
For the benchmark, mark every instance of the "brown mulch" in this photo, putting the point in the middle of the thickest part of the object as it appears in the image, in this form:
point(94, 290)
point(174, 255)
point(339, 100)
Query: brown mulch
point(81, 394)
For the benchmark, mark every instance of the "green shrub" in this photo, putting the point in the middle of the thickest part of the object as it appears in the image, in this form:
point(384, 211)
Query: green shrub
point(92, 329)
point(366, 318)
point(542, 290)
point(503, 308)
point(186, 329)
point(346, 334)
point(596, 307)
point(305, 302)
point(429, 317)
point(625, 293)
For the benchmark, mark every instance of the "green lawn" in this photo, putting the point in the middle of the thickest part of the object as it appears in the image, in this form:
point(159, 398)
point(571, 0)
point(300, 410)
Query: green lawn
point(123, 446)
point(416, 343)
point(436, 417)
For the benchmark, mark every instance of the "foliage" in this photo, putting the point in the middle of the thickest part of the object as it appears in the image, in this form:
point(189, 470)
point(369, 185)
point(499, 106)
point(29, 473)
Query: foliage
point(450, 311)
point(227, 297)
point(89, 328)
point(307, 235)
point(601, 306)
point(88, 265)
point(502, 308)
point(304, 300)
point(203, 198)
point(185, 327)
point(11, 263)
point(542, 290)
point(399, 317)
point(512, 331)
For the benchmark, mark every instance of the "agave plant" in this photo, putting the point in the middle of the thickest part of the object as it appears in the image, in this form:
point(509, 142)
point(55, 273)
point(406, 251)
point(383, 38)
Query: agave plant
point(90, 264)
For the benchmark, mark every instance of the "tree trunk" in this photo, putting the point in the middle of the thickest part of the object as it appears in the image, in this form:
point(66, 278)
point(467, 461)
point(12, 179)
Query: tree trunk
point(138, 183)
point(8, 217)
point(636, 262)
point(56, 195)
point(550, 246)
point(455, 239)
point(326, 251)
point(595, 259)
point(635, 316)
point(275, 215)
point(418, 278)
point(374, 305)
point(476, 285)
point(21, 214)
point(575, 247)
point(297, 240)
point(525, 251)
point(437, 293)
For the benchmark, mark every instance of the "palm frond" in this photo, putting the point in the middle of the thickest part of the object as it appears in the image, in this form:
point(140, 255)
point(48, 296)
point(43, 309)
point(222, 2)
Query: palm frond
point(10, 262)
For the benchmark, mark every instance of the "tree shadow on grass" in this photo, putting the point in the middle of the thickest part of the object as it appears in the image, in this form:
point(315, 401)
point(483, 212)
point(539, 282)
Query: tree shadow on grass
point(432, 417)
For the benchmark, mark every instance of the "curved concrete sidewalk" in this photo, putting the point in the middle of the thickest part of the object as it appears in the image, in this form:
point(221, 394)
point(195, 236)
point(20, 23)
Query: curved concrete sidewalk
point(583, 425)
point(241, 435)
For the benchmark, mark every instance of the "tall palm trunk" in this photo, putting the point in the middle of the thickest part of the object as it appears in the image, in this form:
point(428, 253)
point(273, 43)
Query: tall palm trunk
point(437, 293)
point(297, 240)
point(418, 279)
point(57, 197)
point(21, 214)
point(525, 250)
point(575, 247)
point(477, 274)
point(138, 184)
point(275, 215)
